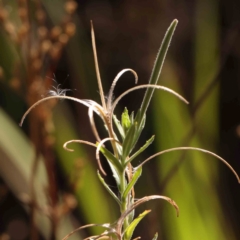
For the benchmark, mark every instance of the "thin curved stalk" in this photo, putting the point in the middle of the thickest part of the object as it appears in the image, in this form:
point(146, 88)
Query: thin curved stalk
point(106, 226)
point(77, 141)
point(139, 202)
point(85, 102)
point(110, 95)
point(100, 236)
point(92, 123)
point(195, 149)
point(140, 87)
point(88, 143)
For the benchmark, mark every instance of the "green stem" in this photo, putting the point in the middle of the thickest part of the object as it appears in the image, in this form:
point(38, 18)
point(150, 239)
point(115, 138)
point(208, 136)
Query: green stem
point(124, 202)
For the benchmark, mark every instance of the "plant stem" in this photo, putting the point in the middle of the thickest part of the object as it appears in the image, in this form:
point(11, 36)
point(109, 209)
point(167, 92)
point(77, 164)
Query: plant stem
point(124, 202)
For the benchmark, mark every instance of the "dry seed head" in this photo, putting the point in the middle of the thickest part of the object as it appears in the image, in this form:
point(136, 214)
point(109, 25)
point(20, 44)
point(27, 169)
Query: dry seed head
point(70, 29)
point(55, 32)
point(49, 141)
point(40, 16)
point(3, 14)
point(55, 51)
point(43, 114)
point(15, 83)
point(70, 7)
point(36, 85)
point(23, 30)
point(5, 236)
point(37, 64)
point(23, 13)
point(42, 32)
point(46, 46)
point(63, 38)
point(9, 28)
point(70, 200)
point(34, 53)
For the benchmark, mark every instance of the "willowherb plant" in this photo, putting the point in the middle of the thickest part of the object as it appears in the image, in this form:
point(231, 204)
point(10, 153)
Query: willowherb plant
point(123, 135)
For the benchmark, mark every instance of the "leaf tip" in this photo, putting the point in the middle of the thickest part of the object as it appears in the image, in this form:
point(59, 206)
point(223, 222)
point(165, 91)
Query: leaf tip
point(175, 21)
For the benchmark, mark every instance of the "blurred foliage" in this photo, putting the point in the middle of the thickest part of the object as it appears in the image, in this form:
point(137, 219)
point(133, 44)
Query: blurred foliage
point(202, 64)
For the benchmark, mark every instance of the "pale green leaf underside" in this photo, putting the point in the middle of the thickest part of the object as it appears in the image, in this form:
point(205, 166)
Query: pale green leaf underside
point(130, 229)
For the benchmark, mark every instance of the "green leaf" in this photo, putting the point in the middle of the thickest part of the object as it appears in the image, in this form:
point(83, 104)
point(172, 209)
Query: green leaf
point(126, 122)
point(134, 179)
point(140, 127)
point(128, 142)
point(155, 236)
point(119, 127)
point(132, 136)
point(114, 164)
point(131, 215)
point(130, 229)
point(157, 69)
point(148, 142)
point(115, 174)
point(111, 158)
point(108, 189)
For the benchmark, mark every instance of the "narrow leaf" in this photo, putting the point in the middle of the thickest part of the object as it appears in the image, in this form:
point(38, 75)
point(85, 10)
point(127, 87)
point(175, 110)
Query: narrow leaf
point(131, 215)
point(139, 129)
point(113, 163)
point(157, 68)
point(108, 189)
point(134, 179)
point(130, 229)
point(115, 174)
point(111, 158)
point(119, 127)
point(128, 142)
point(148, 142)
point(133, 135)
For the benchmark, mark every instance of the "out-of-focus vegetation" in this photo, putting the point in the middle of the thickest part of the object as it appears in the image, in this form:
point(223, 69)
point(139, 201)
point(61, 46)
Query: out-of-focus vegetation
point(45, 191)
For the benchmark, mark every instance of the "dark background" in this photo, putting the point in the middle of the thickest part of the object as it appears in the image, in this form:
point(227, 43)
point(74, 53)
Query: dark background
point(204, 55)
